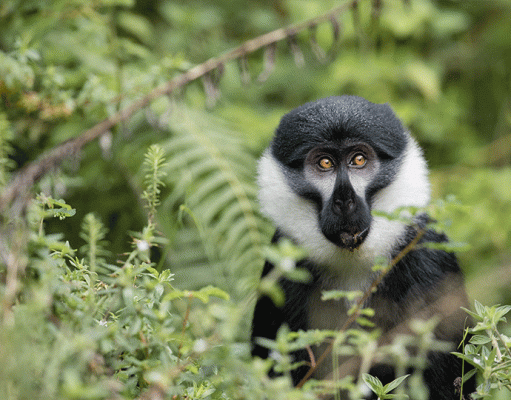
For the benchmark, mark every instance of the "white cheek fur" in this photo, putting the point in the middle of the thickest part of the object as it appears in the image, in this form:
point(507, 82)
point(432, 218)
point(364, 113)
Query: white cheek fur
point(410, 186)
point(297, 217)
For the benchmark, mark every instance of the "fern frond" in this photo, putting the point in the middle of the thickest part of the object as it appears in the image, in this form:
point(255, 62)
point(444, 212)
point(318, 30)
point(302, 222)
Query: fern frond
point(93, 233)
point(154, 163)
point(213, 174)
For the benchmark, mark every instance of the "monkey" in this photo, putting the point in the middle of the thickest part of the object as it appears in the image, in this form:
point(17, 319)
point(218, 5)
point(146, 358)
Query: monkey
point(330, 164)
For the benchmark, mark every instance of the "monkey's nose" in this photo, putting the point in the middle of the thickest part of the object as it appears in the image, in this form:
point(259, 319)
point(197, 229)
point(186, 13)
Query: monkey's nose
point(344, 206)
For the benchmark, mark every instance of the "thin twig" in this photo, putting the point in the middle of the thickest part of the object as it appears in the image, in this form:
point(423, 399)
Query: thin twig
point(185, 323)
point(311, 356)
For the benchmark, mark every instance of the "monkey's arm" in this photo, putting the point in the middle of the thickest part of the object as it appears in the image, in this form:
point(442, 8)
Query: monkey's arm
point(268, 317)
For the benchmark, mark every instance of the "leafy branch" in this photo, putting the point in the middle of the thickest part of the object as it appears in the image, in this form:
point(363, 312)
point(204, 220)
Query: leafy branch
point(488, 349)
point(210, 71)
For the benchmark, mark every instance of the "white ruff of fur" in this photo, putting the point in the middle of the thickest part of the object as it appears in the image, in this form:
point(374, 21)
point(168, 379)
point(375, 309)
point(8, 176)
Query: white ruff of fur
point(297, 217)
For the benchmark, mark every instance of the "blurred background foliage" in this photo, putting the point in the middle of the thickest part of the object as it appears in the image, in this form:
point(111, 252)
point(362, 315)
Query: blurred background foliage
point(444, 66)
point(65, 65)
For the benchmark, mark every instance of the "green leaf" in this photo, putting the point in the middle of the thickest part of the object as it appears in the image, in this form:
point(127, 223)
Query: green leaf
point(273, 291)
point(374, 383)
point(341, 294)
point(469, 375)
point(214, 291)
point(137, 25)
point(501, 311)
point(199, 295)
point(480, 309)
point(62, 213)
point(480, 339)
point(365, 322)
point(298, 275)
point(212, 173)
point(266, 343)
point(472, 359)
point(449, 247)
point(491, 358)
point(425, 78)
point(175, 294)
point(394, 384)
point(284, 367)
point(476, 316)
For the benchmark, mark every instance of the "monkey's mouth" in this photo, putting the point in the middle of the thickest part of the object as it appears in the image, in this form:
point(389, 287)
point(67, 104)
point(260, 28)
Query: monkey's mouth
point(352, 241)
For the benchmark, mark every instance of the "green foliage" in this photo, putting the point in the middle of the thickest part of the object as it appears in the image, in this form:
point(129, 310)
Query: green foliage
point(65, 66)
point(5, 150)
point(442, 212)
point(350, 343)
point(50, 207)
point(383, 391)
point(284, 255)
point(84, 328)
point(489, 350)
point(107, 326)
point(210, 176)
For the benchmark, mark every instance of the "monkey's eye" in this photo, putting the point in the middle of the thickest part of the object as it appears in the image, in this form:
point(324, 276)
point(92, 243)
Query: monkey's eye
point(325, 163)
point(358, 160)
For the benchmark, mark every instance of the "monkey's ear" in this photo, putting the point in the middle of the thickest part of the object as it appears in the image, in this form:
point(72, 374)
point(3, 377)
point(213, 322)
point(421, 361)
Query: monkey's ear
point(385, 132)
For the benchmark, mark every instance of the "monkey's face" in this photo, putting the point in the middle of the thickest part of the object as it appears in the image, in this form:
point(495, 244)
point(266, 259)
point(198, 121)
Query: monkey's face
point(337, 180)
point(333, 161)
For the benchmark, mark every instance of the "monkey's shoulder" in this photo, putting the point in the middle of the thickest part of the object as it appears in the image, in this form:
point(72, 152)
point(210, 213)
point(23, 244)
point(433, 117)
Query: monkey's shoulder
point(424, 261)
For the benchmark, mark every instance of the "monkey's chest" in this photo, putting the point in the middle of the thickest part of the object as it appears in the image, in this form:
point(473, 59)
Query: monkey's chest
point(329, 314)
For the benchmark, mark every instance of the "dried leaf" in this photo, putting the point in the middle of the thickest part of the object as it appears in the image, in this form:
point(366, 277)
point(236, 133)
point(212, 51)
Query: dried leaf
point(270, 52)
point(211, 90)
point(375, 15)
point(217, 74)
point(336, 28)
point(376, 9)
point(356, 17)
point(245, 73)
point(336, 35)
point(316, 48)
point(297, 52)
